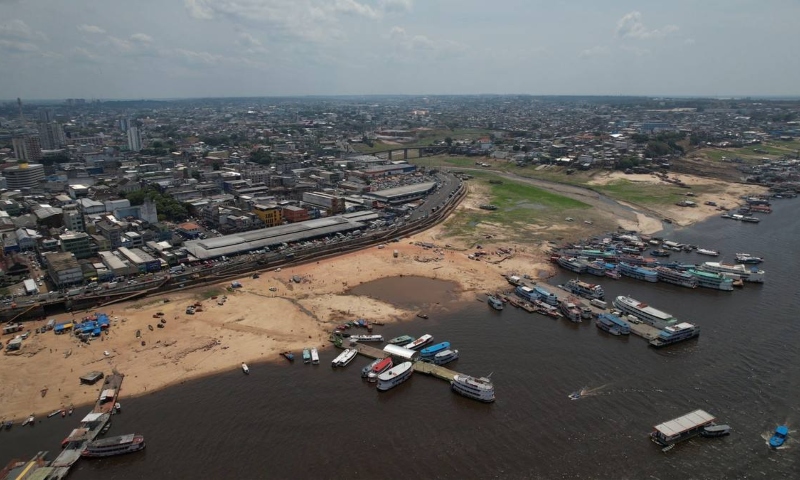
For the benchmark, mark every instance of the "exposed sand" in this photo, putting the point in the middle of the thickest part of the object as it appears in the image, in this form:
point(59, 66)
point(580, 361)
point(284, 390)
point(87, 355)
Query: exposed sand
point(254, 324)
point(267, 315)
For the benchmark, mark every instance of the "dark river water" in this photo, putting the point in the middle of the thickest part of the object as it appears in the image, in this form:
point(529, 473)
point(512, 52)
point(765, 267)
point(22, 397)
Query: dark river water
point(297, 421)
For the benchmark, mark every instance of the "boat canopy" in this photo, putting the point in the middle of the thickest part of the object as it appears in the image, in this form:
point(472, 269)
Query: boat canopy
point(92, 417)
point(687, 422)
point(108, 394)
point(402, 352)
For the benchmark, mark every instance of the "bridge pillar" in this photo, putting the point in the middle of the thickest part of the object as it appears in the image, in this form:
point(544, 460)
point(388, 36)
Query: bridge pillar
point(390, 155)
point(405, 154)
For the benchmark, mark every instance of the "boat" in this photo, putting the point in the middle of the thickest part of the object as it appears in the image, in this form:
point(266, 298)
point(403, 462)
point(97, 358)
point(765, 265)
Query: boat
point(335, 361)
point(367, 338)
point(643, 312)
point(750, 219)
point(637, 260)
point(314, 356)
point(29, 421)
point(69, 412)
point(420, 342)
point(245, 369)
point(306, 355)
point(495, 302)
point(423, 316)
point(105, 428)
point(682, 428)
point(572, 264)
point(395, 376)
point(575, 395)
point(637, 272)
point(712, 280)
point(402, 340)
point(430, 352)
point(480, 389)
point(345, 357)
point(7, 424)
point(675, 333)
point(752, 274)
point(53, 414)
point(118, 407)
point(715, 430)
point(366, 370)
point(571, 309)
point(544, 295)
point(660, 252)
point(584, 289)
point(596, 268)
point(747, 258)
point(612, 324)
point(445, 357)
point(380, 367)
point(779, 437)
point(613, 273)
point(107, 447)
point(706, 251)
point(676, 277)
point(288, 356)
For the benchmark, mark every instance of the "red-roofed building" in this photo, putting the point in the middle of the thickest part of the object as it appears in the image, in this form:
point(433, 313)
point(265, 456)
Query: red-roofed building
point(189, 229)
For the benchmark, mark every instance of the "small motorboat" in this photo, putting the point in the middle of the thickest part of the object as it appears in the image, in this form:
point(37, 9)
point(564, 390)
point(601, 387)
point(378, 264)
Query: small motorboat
point(71, 409)
point(779, 437)
point(63, 413)
point(288, 356)
point(575, 395)
point(423, 315)
point(245, 369)
point(29, 421)
point(53, 414)
point(118, 407)
point(714, 430)
point(8, 424)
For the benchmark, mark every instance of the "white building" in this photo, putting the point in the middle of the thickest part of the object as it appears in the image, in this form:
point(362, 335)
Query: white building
point(134, 139)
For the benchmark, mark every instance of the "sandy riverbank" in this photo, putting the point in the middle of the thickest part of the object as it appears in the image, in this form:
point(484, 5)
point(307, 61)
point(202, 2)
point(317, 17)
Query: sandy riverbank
point(266, 316)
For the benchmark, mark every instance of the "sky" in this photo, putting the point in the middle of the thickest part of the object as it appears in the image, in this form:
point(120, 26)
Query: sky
point(132, 49)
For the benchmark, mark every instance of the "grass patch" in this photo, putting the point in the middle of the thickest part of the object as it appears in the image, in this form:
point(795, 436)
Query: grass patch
point(212, 292)
point(649, 194)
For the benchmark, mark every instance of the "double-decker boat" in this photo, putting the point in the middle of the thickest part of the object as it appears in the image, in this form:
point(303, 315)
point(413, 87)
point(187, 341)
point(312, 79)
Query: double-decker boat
point(420, 342)
point(395, 376)
point(445, 357)
point(584, 289)
point(612, 324)
point(572, 264)
point(675, 333)
point(378, 368)
point(752, 274)
point(596, 268)
point(644, 312)
point(430, 352)
point(639, 273)
point(544, 295)
point(107, 447)
point(676, 277)
point(712, 280)
point(571, 309)
point(480, 389)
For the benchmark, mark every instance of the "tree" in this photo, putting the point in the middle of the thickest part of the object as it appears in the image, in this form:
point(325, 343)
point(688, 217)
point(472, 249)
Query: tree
point(448, 141)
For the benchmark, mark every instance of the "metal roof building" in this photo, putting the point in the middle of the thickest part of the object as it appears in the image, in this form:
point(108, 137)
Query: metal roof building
point(402, 194)
point(269, 237)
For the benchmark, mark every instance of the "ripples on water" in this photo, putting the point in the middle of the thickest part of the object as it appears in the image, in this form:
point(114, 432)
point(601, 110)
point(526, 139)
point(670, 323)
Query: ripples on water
point(292, 420)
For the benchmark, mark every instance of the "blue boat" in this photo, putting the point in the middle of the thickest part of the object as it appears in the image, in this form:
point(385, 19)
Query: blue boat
point(779, 436)
point(637, 272)
point(609, 322)
point(431, 351)
point(544, 295)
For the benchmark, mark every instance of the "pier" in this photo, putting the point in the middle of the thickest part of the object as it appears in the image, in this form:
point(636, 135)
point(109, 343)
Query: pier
point(368, 351)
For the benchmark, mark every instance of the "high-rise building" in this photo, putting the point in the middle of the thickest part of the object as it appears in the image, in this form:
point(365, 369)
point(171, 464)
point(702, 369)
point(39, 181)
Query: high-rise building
point(25, 175)
point(124, 124)
point(134, 139)
point(52, 135)
point(27, 148)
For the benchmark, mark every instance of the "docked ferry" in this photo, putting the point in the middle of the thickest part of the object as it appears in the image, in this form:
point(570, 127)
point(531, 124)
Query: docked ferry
point(420, 342)
point(495, 302)
point(644, 312)
point(571, 309)
point(675, 333)
point(544, 295)
point(597, 268)
point(431, 351)
point(712, 280)
point(681, 428)
point(378, 368)
point(108, 447)
point(587, 290)
point(571, 263)
point(676, 277)
point(445, 357)
point(639, 273)
point(612, 324)
point(366, 370)
point(638, 260)
point(480, 389)
point(752, 274)
point(395, 376)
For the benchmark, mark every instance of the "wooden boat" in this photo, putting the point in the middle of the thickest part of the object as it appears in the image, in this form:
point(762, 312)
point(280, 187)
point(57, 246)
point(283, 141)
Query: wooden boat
point(53, 414)
point(29, 421)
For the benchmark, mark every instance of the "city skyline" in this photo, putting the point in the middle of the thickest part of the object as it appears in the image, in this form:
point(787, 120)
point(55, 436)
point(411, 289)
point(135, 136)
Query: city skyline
point(225, 48)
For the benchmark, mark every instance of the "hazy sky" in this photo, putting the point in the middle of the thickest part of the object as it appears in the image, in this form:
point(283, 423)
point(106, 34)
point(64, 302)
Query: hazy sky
point(190, 48)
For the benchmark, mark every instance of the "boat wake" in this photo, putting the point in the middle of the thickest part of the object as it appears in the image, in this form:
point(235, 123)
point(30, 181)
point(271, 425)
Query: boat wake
point(587, 392)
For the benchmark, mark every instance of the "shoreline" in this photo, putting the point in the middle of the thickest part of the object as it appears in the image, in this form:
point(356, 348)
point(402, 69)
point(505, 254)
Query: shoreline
point(268, 315)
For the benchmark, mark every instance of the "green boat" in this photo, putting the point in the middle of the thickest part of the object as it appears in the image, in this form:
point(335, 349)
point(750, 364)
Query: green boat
point(402, 340)
point(306, 355)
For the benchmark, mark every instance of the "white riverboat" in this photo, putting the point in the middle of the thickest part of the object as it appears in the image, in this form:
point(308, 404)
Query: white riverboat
point(644, 312)
point(314, 356)
point(480, 389)
point(445, 357)
point(395, 376)
point(747, 274)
